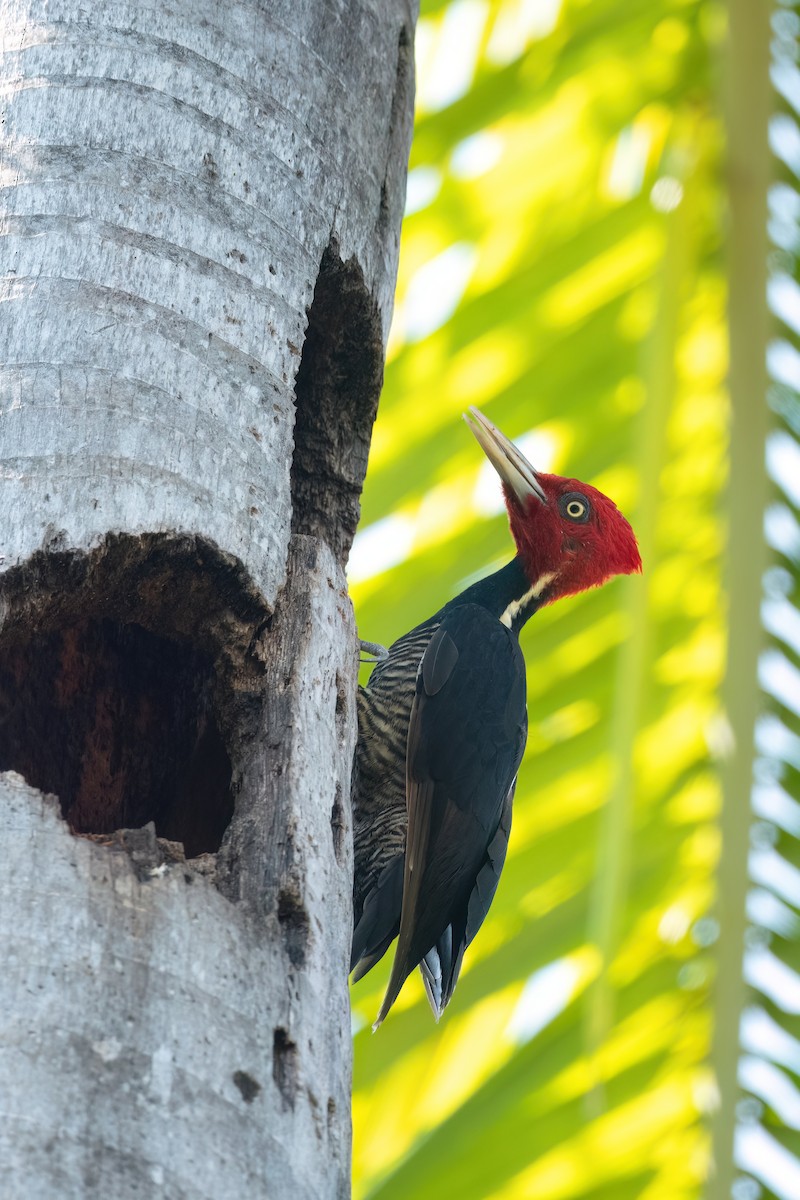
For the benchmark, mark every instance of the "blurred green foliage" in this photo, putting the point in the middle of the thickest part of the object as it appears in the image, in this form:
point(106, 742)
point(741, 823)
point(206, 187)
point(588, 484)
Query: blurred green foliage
point(562, 271)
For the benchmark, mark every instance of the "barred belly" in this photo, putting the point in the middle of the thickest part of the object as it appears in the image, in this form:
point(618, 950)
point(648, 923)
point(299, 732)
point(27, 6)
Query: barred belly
point(379, 777)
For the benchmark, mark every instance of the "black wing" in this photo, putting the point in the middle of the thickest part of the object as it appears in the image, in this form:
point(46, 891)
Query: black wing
point(378, 925)
point(442, 963)
point(466, 738)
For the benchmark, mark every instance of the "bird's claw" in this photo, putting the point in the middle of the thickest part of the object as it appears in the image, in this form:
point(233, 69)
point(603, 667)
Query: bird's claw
point(372, 652)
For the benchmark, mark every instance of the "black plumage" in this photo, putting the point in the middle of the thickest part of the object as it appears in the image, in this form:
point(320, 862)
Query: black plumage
point(442, 727)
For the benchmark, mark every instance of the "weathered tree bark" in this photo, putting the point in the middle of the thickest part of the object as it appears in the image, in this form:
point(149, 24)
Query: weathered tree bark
point(200, 231)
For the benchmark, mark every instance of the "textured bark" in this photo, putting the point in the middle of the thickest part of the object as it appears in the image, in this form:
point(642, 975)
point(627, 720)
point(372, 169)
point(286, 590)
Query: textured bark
point(200, 232)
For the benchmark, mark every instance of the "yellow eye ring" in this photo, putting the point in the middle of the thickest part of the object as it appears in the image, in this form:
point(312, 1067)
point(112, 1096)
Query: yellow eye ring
point(574, 507)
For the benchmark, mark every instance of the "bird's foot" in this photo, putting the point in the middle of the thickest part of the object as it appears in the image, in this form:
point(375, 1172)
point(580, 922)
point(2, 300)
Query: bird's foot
point(372, 652)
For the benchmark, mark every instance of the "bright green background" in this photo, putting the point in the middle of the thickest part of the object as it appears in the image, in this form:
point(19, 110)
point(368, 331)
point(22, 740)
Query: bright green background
point(589, 228)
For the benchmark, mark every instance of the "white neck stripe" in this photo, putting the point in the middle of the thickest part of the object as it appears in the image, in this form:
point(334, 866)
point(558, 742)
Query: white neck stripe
point(516, 606)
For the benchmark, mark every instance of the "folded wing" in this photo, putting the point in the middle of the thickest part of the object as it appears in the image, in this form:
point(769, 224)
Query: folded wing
point(466, 738)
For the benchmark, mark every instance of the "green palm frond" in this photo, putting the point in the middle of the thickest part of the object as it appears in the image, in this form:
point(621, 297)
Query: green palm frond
point(564, 272)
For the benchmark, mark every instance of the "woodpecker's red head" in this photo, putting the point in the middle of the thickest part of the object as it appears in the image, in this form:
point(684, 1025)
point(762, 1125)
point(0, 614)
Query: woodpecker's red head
point(569, 536)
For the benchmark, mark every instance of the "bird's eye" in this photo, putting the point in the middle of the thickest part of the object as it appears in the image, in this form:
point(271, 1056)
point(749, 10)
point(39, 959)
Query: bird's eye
point(575, 507)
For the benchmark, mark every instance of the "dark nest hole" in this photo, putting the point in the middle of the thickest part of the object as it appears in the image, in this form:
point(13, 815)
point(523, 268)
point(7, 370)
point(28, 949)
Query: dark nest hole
point(336, 395)
point(120, 724)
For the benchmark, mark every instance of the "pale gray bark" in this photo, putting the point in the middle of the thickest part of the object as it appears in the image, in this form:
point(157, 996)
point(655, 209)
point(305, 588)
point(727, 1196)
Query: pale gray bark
point(201, 208)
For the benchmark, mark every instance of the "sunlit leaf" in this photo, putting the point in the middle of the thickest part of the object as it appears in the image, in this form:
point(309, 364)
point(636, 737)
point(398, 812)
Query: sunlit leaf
point(561, 268)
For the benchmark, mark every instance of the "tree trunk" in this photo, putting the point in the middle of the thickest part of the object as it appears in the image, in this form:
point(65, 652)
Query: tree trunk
point(200, 241)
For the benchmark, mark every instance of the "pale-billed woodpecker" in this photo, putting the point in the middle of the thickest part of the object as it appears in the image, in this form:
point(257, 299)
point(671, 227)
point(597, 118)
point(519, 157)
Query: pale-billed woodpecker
point(443, 725)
